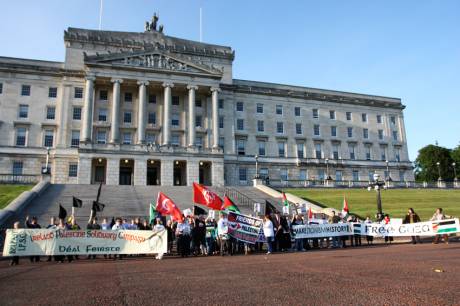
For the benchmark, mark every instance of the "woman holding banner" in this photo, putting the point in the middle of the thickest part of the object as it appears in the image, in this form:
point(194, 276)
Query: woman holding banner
point(412, 217)
point(268, 233)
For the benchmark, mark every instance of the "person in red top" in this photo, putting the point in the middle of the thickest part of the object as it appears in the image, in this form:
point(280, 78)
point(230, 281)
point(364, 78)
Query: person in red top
point(386, 220)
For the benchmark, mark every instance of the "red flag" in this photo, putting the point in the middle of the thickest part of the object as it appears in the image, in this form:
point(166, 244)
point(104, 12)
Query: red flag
point(204, 196)
point(345, 207)
point(310, 213)
point(166, 206)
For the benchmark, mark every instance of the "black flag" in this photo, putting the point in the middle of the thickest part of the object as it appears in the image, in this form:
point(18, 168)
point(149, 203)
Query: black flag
point(198, 211)
point(62, 212)
point(269, 208)
point(98, 193)
point(77, 203)
point(98, 207)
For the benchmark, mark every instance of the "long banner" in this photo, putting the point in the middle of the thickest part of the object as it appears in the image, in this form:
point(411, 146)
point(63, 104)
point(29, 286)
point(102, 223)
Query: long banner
point(244, 228)
point(322, 230)
point(25, 242)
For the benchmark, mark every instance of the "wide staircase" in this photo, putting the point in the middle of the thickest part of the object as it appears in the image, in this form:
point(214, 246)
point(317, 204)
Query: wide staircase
point(131, 201)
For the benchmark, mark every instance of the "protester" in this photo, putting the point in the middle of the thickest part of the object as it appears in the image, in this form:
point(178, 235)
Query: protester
point(199, 236)
point(412, 217)
point(92, 225)
point(297, 220)
point(222, 232)
point(210, 236)
point(438, 216)
point(386, 221)
point(52, 225)
point(171, 235)
point(183, 238)
point(15, 259)
point(268, 233)
point(34, 225)
point(332, 220)
point(158, 228)
point(369, 238)
point(63, 226)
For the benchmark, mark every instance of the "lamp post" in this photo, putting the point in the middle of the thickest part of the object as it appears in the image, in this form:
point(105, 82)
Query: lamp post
point(257, 167)
point(327, 170)
point(377, 185)
point(388, 178)
point(438, 164)
point(455, 171)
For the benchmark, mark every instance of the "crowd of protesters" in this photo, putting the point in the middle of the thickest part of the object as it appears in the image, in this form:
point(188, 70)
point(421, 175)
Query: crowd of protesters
point(202, 235)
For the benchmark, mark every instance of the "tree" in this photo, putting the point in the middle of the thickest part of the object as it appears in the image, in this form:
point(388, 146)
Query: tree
point(455, 154)
point(426, 164)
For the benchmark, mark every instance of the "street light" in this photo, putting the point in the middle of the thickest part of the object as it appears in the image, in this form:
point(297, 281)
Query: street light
point(455, 171)
point(377, 185)
point(439, 171)
point(388, 178)
point(257, 167)
point(328, 177)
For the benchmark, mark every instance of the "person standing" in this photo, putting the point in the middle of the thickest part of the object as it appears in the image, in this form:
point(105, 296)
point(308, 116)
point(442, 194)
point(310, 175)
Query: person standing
point(33, 224)
point(438, 216)
point(333, 219)
point(15, 259)
point(369, 238)
point(92, 225)
point(297, 220)
point(158, 228)
point(222, 233)
point(412, 217)
point(268, 233)
point(386, 221)
point(183, 238)
point(52, 225)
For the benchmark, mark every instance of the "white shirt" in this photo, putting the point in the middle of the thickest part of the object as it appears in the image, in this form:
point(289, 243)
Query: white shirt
point(183, 228)
point(158, 227)
point(222, 226)
point(117, 227)
point(268, 229)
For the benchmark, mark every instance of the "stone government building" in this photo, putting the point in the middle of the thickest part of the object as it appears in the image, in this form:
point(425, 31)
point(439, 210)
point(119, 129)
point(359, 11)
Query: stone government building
point(149, 109)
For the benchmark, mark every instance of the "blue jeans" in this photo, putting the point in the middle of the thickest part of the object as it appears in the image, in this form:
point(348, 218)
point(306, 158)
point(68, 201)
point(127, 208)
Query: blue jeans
point(299, 244)
point(269, 241)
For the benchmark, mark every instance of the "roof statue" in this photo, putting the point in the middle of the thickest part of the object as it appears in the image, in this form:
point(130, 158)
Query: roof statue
point(152, 26)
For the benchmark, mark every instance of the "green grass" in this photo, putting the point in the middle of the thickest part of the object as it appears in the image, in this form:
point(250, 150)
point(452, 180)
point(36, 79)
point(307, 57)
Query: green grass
point(394, 202)
point(9, 192)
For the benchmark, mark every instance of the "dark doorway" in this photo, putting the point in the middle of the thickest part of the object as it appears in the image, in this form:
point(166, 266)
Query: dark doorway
point(205, 173)
point(180, 175)
point(99, 166)
point(126, 172)
point(153, 172)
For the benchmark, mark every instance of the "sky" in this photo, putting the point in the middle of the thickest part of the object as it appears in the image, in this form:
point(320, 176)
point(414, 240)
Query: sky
point(405, 49)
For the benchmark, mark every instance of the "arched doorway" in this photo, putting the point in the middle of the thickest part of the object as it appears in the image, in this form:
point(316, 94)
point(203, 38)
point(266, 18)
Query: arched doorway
point(126, 172)
point(99, 168)
point(153, 172)
point(180, 173)
point(205, 173)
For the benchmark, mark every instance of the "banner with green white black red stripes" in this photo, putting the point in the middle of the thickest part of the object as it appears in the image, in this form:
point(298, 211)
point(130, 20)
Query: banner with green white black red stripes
point(429, 228)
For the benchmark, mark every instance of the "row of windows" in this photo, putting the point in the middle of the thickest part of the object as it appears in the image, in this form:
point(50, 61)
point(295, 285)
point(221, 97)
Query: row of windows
point(18, 168)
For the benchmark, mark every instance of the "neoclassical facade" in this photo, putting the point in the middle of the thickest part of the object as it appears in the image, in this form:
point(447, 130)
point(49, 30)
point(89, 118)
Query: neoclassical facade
point(148, 109)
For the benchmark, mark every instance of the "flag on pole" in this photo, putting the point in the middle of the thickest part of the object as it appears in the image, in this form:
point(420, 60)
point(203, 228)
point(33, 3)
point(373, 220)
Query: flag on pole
point(99, 192)
point(76, 202)
point(197, 211)
point(97, 206)
point(152, 212)
point(62, 212)
point(345, 207)
point(229, 205)
point(310, 213)
point(204, 196)
point(269, 208)
point(285, 201)
point(166, 206)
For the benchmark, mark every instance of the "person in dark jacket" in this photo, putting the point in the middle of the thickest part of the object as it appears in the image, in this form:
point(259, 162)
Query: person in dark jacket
point(93, 225)
point(410, 218)
point(32, 223)
point(199, 236)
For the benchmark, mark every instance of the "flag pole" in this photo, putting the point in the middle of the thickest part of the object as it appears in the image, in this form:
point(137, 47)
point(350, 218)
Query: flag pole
point(100, 16)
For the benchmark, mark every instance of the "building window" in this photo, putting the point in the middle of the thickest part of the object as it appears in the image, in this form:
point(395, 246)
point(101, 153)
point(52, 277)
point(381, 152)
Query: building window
point(263, 173)
point(221, 142)
point(260, 108)
point(152, 99)
point(175, 140)
point(76, 115)
point(150, 138)
point(316, 130)
point(315, 114)
point(364, 117)
point(368, 152)
point(198, 102)
point(401, 176)
point(383, 153)
point(393, 120)
point(350, 132)
point(241, 147)
point(23, 111)
point(282, 149)
point(348, 116)
point(52, 92)
point(321, 174)
point(260, 126)
point(101, 137)
point(298, 128)
point(335, 151)
point(338, 175)
point(25, 90)
point(127, 117)
point(1, 88)
point(175, 100)
point(243, 177)
point(351, 150)
point(279, 109)
point(284, 174)
point(102, 114)
point(199, 141)
point(75, 141)
point(127, 138)
point(175, 120)
point(318, 151)
point(297, 111)
point(21, 134)
point(73, 170)
point(333, 131)
point(380, 134)
point(280, 127)
point(221, 103)
point(198, 122)
point(128, 97)
point(240, 124)
point(365, 133)
point(355, 175)
point(78, 93)
point(221, 122)
point(49, 137)
point(103, 95)
point(398, 154)
point(300, 150)
point(262, 148)
point(379, 118)
point(332, 114)
point(50, 113)
point(395, 135)
point(17, 167)
point(152, 118)
point(239, 106)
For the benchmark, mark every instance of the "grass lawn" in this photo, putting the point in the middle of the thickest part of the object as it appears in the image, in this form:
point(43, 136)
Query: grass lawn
point(9, 192)
point(394, 202)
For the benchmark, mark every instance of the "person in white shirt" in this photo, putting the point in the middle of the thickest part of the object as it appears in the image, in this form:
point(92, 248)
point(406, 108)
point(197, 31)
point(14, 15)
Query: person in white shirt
point(158, 228)
point(268, 233)
point(222, 234)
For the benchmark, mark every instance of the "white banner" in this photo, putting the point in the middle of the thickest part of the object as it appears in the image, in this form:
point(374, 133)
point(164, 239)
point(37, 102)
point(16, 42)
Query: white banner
point(40, 242)
point(429, 228)
point(322, 230)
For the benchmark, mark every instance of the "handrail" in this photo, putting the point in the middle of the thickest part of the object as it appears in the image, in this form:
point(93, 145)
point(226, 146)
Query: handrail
point(239, 198)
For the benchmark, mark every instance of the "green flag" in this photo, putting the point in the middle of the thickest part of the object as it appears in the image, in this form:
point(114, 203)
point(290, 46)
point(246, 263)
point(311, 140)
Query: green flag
point(153, 213)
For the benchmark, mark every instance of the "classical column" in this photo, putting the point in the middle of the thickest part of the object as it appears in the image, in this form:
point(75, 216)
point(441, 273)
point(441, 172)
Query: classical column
point(88, 110)
point(191, 114)
point(141, 119)
point(167, 113)
point(215, 117)
point(63, 110)
point(115, 129)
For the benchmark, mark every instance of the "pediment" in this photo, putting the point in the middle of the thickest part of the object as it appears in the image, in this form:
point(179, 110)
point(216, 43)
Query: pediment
point(154, 60)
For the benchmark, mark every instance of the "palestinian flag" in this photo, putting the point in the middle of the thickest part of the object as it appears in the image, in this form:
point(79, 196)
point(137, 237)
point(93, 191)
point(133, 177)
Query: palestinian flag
point(285, 201)
point(152, 212)
point(445, 226)
point(229, 205)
